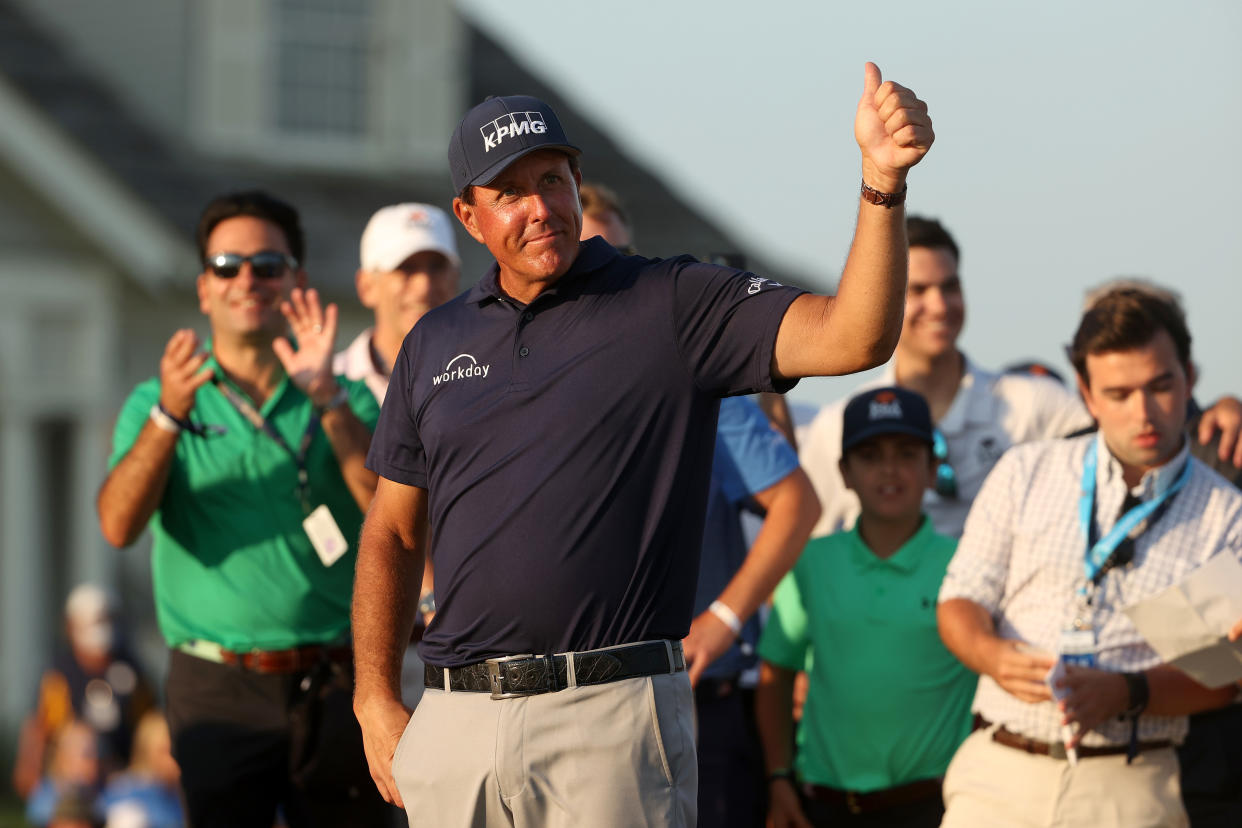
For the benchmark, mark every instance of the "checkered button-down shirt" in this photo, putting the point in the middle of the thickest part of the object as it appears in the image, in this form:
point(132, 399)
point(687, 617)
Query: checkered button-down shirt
point(1021, 558)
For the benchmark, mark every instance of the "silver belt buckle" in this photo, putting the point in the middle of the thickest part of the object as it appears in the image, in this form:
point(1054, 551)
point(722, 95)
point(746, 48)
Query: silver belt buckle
point(496, 677)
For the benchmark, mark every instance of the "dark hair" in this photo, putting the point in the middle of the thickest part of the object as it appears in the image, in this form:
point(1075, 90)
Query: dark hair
point(467, 195)
point(598, 201)
point(256, 204)
point(925, 232)
point(1126, 318)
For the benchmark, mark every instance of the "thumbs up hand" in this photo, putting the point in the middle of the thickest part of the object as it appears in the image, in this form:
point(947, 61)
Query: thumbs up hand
point(893, 131)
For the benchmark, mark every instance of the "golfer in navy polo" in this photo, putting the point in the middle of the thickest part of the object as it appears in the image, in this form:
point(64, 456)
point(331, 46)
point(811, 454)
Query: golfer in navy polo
point(553, 430)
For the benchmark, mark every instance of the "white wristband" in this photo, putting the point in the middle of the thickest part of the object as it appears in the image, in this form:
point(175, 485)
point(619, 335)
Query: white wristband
point(726, 615)
point(164, 422)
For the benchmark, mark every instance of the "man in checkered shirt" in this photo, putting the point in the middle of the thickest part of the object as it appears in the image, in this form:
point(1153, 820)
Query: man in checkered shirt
point(1096, 748)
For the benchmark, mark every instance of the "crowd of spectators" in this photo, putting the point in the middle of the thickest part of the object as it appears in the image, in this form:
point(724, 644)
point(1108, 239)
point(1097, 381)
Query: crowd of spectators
point(887, 647)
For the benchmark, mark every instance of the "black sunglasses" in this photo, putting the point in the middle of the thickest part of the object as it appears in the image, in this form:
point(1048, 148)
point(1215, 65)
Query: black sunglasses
point(946, 478)
point(266, 264)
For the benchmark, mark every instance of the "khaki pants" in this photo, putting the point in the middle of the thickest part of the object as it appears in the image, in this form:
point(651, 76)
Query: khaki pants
point(993, 786)
point(605, 756)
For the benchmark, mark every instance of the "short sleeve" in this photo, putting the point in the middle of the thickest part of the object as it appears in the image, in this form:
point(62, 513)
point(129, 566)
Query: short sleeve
point(785, 641)
point(760, 456)
point(396, 450)
point(726, 323)
point(133, 416)
point(1060, 411)
point(362, 402)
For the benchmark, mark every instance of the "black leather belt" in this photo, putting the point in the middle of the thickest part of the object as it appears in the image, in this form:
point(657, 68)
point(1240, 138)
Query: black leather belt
point(527, 675)
point(872, 801)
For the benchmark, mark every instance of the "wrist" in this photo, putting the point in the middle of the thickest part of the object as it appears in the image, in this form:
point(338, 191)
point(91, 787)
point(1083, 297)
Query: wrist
point(884, 181)
point(725, 614)
point(165, 421)
point(427, 602)
point(1137, 694)
point(328, 397)
point(781, 773)
point(178, 411)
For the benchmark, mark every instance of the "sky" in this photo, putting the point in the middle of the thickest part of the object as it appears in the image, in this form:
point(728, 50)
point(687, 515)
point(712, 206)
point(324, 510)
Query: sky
point(1075, 142)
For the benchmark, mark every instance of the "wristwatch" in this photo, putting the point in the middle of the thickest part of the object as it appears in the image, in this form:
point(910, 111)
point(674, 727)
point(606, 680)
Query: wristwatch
point(1140, 694)
point(338, 399)
point(427, 602)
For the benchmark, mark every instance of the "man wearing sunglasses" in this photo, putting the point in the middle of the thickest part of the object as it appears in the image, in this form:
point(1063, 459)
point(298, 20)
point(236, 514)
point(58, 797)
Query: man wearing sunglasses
point(978, 413)
point(246, 455)
point(554, 427)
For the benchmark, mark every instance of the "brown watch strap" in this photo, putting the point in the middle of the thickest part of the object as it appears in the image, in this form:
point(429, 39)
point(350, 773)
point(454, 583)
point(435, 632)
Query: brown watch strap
point(888, 200)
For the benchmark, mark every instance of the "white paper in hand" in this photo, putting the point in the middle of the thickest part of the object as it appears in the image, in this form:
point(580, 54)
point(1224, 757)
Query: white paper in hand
point(1187, 624)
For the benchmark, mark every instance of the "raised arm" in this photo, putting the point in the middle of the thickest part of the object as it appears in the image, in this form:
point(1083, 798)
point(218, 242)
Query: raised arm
point(133, 489)
point(310, 369)
point(858, 328)
point(386, 589)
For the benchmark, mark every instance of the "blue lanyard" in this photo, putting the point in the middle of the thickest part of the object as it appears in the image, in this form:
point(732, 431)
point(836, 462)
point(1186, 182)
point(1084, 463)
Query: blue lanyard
point(1098, 554)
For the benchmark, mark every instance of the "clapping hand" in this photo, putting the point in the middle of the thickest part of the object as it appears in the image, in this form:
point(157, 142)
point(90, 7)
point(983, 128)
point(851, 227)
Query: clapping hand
point(310, 366)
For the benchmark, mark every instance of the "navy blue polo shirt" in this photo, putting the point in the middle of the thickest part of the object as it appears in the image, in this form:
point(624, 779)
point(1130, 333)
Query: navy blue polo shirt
point(566, 446)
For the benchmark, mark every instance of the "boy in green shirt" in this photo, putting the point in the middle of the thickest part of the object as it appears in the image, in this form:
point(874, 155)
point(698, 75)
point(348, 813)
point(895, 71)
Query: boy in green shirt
point(887, 704)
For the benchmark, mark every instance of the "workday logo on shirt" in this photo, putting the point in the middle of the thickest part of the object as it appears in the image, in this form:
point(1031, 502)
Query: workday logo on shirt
point(460, 367)
point(510, 126)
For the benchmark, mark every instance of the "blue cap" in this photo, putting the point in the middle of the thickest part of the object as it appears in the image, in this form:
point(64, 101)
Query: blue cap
point(498, 132)
point(890, 410)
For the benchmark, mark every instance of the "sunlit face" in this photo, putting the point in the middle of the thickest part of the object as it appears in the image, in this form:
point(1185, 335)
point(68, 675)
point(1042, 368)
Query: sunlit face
point(1139, 398)
point(609, 226)
point(529, 218)
point(246, 306)
point(935, 309)
point(889, 473)
point(402, 295)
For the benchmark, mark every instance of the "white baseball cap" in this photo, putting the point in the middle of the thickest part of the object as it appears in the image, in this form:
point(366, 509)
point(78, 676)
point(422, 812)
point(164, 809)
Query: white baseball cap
point(397, 232)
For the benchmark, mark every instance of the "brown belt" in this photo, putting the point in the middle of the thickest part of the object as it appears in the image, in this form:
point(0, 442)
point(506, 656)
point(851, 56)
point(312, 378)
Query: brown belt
point(872, 801)
point(1056, 750)
point(293, 660)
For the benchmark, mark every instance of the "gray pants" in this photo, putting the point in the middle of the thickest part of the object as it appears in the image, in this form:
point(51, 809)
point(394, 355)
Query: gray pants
point(608, 756)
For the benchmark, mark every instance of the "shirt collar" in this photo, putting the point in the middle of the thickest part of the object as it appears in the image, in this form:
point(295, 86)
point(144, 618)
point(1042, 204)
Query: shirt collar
point(974, 403)
point(905, 559)
point(1154, 482)
point(360, 358)
point(219, 376)
point(593, 254)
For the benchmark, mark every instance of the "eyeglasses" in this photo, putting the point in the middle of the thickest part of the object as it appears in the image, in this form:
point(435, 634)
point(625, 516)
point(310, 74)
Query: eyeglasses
point(946, 478)
point(266, 264)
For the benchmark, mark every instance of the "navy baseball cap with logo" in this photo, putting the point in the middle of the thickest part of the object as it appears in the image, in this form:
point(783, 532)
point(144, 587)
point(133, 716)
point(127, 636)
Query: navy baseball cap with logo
point(890, 410)
point(498, 132)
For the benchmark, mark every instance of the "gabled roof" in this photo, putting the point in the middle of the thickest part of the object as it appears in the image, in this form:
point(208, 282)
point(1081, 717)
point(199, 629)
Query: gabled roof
point(137, 193)
point(164, 181)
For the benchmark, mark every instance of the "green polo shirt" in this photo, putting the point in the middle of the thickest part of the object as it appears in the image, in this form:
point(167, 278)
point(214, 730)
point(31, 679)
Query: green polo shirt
point(231, 562)
point(887, 703)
